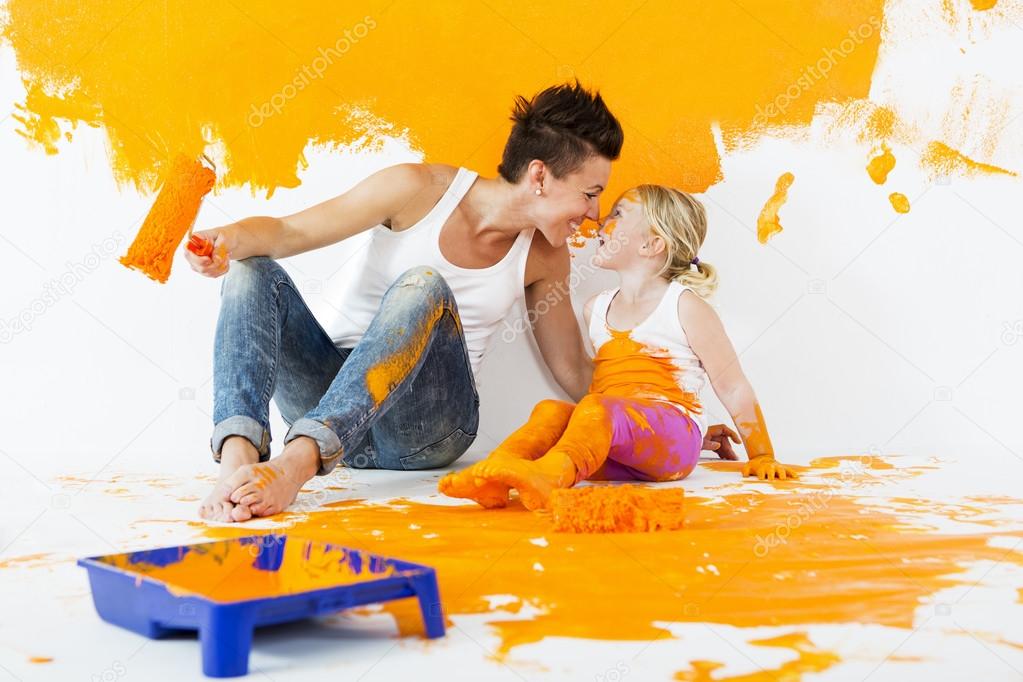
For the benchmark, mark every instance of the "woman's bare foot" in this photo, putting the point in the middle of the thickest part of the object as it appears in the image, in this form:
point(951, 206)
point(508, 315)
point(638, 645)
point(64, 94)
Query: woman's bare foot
point(236, 452)
point(533, 480)
point(270, 488)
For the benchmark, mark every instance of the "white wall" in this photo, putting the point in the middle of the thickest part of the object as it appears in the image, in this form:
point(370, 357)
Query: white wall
point(859, 329)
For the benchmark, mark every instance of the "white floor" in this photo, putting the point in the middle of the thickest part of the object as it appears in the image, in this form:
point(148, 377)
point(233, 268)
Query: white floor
point(48, 612)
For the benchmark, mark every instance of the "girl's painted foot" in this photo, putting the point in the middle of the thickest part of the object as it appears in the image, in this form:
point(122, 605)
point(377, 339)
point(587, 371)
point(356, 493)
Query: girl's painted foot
point(468, 484)
point(534, 481)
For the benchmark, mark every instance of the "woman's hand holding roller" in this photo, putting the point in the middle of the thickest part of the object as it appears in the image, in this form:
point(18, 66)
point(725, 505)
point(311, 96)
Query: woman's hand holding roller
point(217, 263)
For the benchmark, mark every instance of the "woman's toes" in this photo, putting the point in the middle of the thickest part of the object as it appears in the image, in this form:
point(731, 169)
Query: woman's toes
point(241, 513)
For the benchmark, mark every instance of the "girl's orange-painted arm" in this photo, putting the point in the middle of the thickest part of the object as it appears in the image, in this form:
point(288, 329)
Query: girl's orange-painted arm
point(707, 338)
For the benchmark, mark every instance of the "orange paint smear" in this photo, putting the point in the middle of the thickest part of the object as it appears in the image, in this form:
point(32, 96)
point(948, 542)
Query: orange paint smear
point(225, 573)
point(617, 509)
point(385, 375)
point(768, 224)
point(983, 4)
point(941, 160)
point(40, 659)
point(328, 74)
point(809, 659)
point(776, 559)
point(754, 434)
point(626, 368)
point(881, 165)
point(865, 461)
point(187, 181)
point(899, 202)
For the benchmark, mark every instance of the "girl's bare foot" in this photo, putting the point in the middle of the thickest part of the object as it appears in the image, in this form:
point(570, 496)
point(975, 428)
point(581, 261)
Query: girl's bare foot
point(535, 481)
point(469, 484)
point(236, 452)
point(270, 488)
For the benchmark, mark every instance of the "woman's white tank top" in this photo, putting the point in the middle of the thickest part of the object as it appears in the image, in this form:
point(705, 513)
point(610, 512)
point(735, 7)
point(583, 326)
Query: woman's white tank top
point(661, 335)
point(484, 295)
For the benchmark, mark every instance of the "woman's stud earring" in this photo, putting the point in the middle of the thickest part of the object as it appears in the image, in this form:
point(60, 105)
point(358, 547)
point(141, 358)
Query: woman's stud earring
point(538, 191)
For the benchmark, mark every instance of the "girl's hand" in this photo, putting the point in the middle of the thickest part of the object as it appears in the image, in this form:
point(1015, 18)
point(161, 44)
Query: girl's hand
point(717, 440)
point(766, 468)
point(218, 263)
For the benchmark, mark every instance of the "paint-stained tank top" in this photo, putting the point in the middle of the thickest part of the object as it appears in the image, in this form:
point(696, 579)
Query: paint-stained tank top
point(653, 360)
point(484, 295)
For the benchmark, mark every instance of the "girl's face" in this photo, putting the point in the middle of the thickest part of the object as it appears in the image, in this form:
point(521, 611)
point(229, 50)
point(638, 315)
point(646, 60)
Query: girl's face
point(571, 200)
point(624, 239)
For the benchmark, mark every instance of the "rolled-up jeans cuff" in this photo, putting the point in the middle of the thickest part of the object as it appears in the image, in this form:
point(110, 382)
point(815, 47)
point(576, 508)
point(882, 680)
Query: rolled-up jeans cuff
point(240, 425)
point(326, 440)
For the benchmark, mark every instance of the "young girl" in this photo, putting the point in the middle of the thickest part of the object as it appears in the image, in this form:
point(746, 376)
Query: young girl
point(658, 342)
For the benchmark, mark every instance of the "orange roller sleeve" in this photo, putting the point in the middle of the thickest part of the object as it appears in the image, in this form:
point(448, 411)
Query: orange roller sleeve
point(617, 509)
point(187, 181)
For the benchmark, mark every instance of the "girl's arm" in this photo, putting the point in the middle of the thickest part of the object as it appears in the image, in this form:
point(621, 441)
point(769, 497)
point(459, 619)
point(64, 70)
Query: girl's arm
point(711, 344)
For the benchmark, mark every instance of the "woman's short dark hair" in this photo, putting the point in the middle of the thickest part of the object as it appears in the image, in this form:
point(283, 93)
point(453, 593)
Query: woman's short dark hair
point(562, 126)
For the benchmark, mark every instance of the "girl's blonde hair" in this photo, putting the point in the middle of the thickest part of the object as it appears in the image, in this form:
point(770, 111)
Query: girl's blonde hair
point(681, 221)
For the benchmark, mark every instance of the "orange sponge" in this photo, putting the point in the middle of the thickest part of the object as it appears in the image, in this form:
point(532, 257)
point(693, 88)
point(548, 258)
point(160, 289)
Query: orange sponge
point(617, 509)
point(187, 181)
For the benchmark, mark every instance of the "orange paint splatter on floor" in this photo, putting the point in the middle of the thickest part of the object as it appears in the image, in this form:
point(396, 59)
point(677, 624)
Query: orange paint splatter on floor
point(941, 160)
point(865, 461)
point(775, 558)
point(881, 165)
point(185, 183)
point(768, 223)
point(983, 4)
point(40, 659)
point(328, 74)
point(809, 659)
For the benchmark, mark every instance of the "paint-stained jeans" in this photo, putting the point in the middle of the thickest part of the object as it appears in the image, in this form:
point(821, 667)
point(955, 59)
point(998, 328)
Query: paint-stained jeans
point(403, 398)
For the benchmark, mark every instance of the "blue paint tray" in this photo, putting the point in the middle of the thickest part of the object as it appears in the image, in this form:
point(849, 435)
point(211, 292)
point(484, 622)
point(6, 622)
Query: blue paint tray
point(226, 588)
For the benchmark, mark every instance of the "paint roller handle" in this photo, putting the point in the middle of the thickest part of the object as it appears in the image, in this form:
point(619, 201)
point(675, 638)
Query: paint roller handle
point(209, 251)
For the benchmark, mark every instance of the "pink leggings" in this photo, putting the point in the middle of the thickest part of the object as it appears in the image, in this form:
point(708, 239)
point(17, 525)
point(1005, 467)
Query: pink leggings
point(612, 438)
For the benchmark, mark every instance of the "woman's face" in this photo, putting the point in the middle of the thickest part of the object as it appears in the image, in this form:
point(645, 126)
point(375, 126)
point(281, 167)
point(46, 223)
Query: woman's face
point(623, 233)
point(567, 202)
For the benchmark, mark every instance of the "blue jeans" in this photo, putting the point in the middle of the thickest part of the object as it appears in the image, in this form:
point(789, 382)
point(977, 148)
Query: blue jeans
point(423, 414)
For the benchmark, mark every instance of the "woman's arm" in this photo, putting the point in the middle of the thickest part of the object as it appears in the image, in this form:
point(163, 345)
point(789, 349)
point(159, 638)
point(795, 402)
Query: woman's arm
point(711, 344)
point(373, 201)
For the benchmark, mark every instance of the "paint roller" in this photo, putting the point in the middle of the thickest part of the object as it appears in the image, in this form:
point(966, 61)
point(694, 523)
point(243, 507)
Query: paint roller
point(185, 184)
point(617, 509)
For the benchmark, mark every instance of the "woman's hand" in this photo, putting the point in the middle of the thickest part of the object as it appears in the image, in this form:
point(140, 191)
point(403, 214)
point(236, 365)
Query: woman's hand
point(717, 440)
point(766, 468)
point(216, 264)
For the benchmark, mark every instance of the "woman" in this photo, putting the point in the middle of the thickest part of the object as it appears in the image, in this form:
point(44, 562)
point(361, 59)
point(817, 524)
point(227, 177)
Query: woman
point(392, 384)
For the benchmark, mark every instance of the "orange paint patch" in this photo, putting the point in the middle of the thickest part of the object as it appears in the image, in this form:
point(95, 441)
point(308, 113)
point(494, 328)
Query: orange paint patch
point(385, 375)
point(626, 368)
point(226, 572)
point(899, 202)
point(185, 184)
point(775, 561)
point(881, 165)
point(40, 659)
point(809, 659)
point(942, 160)
point(768, 223)
point(329, 75)
point(983, 4)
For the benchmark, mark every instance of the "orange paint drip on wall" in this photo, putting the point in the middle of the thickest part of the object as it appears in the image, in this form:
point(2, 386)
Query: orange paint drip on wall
point(881, 165)
point(899, 201)
point(626, 368)
point(942, 160)
point(329, 74)
point(776, 559)
point(768, 223)
point(186, 182)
